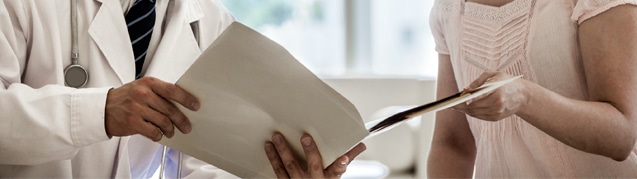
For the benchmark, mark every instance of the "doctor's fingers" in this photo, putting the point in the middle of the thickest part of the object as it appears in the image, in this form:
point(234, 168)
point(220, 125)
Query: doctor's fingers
point(159, 121)
point(336, 169)
point(356, 150)
point(170, 113)
point(148, 130)
point(313, 157)
point(172, 92)
point(275, 161)
point(288, 160)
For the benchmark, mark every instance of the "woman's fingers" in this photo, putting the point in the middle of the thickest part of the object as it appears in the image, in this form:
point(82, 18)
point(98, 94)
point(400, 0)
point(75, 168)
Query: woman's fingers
point(481, 80)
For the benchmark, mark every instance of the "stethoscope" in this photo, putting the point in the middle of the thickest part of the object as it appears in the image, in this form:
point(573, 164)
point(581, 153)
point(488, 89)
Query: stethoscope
point(76, 76)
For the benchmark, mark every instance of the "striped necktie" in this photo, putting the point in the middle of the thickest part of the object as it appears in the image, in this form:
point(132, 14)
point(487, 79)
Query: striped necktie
point(140, 21)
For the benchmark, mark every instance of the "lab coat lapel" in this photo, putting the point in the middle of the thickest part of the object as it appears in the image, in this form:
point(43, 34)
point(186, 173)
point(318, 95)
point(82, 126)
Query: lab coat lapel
point(178, 48)
point(111, 36)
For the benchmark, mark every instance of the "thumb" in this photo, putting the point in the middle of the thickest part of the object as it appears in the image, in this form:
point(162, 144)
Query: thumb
point(481, 80)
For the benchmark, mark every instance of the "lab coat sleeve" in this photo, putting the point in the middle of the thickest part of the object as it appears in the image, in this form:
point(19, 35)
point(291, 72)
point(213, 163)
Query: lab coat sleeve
point(48, 123)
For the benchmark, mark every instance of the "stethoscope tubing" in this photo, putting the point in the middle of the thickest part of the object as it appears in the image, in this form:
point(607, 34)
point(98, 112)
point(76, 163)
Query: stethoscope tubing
point(75, 75)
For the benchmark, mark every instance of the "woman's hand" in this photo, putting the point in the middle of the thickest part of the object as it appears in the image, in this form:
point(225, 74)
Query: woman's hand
point(498, 104)
point(285, 164)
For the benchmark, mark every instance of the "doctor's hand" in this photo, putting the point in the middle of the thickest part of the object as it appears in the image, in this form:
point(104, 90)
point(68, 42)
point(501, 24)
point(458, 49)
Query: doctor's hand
point(498, 104)
point(285, 165)
point(144, 107)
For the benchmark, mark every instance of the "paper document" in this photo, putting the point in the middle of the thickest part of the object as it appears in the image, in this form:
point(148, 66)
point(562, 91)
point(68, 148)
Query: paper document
point(251, 87)
point(438, 105)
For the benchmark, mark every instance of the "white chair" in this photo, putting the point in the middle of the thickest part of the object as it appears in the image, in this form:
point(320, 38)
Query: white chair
point(402, 149)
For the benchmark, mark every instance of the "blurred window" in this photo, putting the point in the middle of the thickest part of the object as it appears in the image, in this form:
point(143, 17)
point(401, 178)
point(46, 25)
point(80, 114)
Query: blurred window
point(341, 38)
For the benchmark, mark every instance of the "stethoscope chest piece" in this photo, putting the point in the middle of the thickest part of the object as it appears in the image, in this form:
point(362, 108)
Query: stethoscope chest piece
point(75, 76)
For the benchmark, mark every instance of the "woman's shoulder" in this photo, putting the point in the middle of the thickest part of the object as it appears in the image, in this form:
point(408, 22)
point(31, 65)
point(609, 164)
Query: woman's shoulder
point(586, 9)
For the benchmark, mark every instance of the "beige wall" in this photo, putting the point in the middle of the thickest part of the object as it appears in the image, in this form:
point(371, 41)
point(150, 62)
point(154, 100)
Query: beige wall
point(406, 146)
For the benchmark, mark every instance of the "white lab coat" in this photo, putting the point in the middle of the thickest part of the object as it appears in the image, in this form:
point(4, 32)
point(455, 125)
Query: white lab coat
point(49, 130)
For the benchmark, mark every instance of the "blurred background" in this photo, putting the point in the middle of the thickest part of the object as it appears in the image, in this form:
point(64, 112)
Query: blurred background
point(377, 53)
point(348, 38)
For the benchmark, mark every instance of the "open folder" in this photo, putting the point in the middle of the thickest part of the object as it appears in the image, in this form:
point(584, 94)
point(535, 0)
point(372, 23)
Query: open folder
point(251, 87)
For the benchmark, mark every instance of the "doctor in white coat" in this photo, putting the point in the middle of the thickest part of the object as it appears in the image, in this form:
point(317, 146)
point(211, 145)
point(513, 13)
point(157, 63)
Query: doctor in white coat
point(99, 131)
point(50, 130)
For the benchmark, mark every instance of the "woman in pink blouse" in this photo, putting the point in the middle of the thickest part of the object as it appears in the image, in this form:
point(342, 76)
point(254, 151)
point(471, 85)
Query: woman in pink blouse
point(574, 113)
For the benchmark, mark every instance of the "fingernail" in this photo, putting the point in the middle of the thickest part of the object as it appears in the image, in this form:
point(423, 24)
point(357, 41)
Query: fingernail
point(188, 128)
point(276, 139)
point(194, 106)
point(306, 141)
point(345, 161)
point(268, 147)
